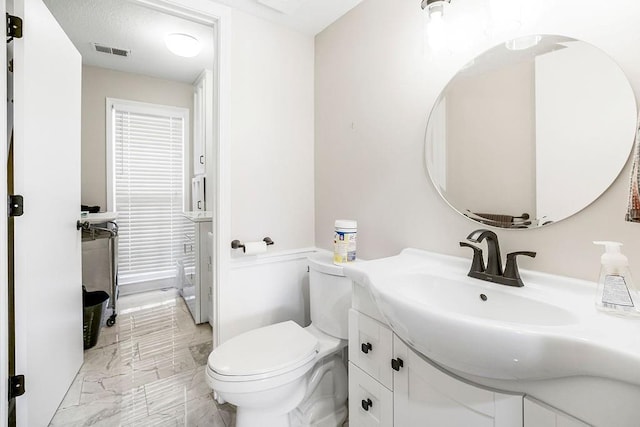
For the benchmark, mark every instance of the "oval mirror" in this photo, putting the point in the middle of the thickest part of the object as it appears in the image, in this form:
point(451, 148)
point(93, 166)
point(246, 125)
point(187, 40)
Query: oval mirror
point(530, 132)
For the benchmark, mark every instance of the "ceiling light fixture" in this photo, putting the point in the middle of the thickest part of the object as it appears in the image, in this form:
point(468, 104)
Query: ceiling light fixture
point(183, 45)
point(435, 8)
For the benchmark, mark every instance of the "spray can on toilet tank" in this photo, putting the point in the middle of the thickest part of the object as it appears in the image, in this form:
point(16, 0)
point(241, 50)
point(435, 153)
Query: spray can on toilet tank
point(344, 241)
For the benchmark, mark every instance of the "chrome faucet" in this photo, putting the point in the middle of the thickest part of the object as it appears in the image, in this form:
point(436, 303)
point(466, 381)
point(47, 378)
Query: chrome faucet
point(493, 271)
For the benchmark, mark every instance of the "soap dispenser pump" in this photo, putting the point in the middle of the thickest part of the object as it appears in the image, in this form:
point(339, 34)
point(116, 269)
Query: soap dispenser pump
point(617, 293)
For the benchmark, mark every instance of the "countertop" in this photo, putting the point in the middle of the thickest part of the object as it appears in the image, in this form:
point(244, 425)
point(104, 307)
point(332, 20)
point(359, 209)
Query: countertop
point(197, 216)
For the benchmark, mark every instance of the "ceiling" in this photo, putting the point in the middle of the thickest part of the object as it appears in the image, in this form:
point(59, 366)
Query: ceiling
point(124, 24)
point(306, 16)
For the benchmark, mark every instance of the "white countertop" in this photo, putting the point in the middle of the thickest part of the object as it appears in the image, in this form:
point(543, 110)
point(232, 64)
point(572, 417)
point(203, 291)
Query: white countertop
point(197, 216)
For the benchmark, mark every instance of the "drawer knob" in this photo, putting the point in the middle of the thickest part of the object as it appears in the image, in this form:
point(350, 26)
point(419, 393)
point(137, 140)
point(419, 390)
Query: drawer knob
point(396, 364)
point(366, 404)
point(366, 347)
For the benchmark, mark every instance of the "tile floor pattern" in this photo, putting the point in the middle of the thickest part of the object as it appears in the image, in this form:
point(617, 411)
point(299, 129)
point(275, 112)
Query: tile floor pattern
point(147, 370)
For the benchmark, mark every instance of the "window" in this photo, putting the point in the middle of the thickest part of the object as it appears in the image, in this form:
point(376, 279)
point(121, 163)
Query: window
point(146, 186)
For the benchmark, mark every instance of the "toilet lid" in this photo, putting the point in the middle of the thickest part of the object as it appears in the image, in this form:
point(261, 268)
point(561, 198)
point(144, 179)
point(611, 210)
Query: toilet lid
point(273, 348)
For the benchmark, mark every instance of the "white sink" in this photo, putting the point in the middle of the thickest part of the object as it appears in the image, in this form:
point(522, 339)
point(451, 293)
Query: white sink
point(548, 329)
point(463, 298)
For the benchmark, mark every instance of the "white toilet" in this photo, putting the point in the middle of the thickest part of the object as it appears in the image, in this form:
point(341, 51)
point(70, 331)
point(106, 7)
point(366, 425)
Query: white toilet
point(284, 375)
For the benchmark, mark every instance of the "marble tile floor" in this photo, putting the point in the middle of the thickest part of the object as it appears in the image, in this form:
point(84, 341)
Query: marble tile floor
point(147, 370)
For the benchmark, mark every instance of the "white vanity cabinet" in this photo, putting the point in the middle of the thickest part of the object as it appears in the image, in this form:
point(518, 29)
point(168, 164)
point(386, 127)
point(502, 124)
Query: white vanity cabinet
point(196, 291)
point(537, 414)
point(391, 385)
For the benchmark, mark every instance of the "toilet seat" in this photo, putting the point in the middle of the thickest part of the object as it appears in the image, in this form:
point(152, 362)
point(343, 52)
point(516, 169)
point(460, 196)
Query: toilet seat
point(263, 353)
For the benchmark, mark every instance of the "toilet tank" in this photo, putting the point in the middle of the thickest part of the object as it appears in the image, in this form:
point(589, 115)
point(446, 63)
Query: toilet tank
point(329, 296)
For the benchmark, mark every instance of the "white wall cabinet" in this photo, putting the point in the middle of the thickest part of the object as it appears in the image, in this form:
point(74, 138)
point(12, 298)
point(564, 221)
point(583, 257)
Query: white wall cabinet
point(202, 120)
point(198, 199)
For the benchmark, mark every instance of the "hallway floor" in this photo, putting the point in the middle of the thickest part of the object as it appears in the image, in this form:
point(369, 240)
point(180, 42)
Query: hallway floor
point(147, 370)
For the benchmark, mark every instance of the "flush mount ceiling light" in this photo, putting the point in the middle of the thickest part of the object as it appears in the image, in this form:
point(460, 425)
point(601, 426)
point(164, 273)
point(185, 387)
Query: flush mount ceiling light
point(434, 8)
point(183, 44)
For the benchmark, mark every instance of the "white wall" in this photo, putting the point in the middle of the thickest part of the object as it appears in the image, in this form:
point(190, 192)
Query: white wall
point(374, 90)
point(271, 104)
point(271, 133)
point(99, 84)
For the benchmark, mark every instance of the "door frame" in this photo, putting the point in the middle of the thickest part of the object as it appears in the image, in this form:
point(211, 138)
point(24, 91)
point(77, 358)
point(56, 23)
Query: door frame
point(206, 12)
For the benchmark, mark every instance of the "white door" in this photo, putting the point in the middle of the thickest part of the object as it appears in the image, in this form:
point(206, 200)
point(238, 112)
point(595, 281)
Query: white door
point(48, 296)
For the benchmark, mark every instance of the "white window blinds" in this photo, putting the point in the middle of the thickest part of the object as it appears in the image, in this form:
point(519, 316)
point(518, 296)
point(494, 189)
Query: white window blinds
point(147, 188)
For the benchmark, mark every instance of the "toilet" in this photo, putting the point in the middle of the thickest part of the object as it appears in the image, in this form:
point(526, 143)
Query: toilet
point(284, 375)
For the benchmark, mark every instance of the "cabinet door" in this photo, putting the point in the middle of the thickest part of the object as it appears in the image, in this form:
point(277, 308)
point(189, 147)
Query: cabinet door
point(426, 396)
point(203, 271)
point(540, 415)
point(370, 347)
point(199, 127)
point(370, 403)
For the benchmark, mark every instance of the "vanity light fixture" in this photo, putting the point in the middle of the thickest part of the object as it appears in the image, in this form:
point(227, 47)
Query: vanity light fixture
point(435, 33)
point(435, 8)
point(183, 45)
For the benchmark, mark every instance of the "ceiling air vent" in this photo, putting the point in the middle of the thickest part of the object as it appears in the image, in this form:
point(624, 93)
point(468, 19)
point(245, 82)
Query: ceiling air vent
point(111, 50)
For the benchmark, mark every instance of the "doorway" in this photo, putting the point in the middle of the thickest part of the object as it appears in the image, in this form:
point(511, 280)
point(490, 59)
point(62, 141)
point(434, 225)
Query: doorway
point(213, 16)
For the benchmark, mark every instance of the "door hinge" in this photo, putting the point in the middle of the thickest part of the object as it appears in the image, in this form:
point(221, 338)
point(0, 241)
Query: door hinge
point(16, 205)
point(16, 386)
point(14, 27)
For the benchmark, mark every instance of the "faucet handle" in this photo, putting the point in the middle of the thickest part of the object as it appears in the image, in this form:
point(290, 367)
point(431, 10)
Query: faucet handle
point(477, 265)
point(511, 269)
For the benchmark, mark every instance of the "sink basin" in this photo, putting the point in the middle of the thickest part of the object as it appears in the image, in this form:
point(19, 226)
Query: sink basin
point(548, 329)
point(463, 299)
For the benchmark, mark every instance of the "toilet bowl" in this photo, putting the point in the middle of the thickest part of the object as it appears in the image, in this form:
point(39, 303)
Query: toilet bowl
point(283, 375)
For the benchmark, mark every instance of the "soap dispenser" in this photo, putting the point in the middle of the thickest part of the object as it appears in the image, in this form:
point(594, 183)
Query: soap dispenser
point(617, 294)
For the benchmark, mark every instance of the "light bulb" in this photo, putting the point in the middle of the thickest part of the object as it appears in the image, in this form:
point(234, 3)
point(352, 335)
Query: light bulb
point(436, 10)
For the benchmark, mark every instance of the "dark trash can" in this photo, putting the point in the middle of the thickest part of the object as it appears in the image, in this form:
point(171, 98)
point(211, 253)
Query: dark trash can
point(94, 304)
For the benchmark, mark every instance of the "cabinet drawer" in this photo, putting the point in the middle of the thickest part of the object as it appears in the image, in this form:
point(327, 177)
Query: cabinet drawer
point(370, 403)
point(370, 347)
